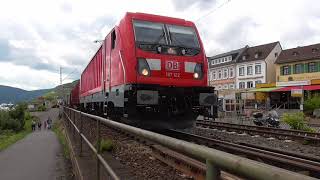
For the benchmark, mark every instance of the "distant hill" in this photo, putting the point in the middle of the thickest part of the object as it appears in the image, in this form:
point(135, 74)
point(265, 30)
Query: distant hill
point(14, 95)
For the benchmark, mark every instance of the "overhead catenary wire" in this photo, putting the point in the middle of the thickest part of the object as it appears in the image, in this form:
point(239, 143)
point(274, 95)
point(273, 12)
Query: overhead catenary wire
point(212, 11)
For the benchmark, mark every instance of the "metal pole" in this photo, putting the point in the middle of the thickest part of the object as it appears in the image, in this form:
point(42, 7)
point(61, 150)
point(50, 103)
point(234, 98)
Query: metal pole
point(80, 154)
point(98, 149)
point(213, 172)
point(74, 118)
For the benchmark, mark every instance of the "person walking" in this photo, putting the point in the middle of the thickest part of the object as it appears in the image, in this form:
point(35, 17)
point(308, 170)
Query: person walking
point(33, 125)
point(49, 121)
point(39, 125)
point(45, 126)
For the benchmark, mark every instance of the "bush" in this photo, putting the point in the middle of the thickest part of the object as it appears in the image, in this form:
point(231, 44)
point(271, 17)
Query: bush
point(296, 121)
point(15, 118)
point(106, 145)
point(312, 103)
point(42, 108)
point(12, 124)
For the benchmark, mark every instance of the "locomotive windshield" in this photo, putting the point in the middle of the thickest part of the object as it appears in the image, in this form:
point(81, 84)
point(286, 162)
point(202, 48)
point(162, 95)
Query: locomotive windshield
point(166, 39)
point(147, 32)
point(183, 36)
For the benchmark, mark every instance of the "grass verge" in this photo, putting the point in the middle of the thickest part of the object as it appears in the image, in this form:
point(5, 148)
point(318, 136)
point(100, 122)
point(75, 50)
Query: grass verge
point(59, 130)
point(8, 138)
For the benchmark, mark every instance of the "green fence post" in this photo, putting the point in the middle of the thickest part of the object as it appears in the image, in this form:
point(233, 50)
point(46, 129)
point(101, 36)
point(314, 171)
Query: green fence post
point(213, 172)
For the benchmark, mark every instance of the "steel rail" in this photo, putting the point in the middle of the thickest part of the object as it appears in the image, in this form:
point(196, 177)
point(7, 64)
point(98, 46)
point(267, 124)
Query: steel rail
point(297, 162)
point(215, 159)
point(266, 131)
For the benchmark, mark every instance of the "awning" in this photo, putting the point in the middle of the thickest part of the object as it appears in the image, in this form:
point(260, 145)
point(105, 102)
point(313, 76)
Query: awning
point(311, 87)
point(265, 89)
point(289, 88)
point(307, 88)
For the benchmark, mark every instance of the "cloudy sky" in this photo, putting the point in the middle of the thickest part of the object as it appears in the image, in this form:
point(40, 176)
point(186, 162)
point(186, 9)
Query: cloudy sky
point(39, 36)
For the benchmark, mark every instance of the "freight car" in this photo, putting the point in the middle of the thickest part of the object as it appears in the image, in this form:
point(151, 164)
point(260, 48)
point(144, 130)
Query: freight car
point(74, 101)
point(150, 70)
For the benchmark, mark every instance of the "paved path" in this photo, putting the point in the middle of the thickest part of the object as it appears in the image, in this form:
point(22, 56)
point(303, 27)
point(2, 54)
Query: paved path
point(37, 156)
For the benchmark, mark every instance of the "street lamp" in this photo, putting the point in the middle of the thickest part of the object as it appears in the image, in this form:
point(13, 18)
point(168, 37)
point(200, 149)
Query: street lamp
point(98, 41)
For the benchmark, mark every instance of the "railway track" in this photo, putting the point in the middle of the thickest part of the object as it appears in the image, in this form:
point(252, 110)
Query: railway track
point(295, 162)
point(262, 131)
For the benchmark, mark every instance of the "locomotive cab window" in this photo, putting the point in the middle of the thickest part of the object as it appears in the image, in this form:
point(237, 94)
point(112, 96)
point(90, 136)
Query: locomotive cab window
point(148, 32)
point(183, 36)
point(166, 39)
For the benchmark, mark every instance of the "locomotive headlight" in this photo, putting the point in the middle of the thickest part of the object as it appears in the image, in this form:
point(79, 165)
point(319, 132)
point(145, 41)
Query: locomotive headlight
point(143, 67)
point(145, 72)
point(198, 71)
point(196, 75)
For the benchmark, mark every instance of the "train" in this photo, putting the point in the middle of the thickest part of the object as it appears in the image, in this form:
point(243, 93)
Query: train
point(150, 71)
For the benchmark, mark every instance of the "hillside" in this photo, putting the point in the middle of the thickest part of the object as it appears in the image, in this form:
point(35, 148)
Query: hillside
point(11, 94)
point(14, 95)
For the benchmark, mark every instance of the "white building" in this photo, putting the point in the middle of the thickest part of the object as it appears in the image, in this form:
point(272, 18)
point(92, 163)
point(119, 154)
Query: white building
point(256, 65)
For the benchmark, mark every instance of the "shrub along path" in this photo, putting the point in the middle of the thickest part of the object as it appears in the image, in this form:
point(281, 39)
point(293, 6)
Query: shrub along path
point(37, 156)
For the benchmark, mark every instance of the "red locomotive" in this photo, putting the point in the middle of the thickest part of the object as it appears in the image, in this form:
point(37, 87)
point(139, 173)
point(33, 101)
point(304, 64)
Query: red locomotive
point(150, 70)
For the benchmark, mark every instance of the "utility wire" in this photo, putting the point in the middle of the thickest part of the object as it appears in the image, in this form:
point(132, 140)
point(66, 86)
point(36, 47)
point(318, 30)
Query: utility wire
point(70, 74)
point(212, 11)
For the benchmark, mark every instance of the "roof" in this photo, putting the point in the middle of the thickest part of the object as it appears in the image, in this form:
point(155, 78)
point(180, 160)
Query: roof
point(299, 54)
point(263, 51)
point(235, 55)
point(158, 18)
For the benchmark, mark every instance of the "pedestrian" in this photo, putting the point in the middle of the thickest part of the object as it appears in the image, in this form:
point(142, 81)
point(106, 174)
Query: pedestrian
point(45, 125)
point(33, 125)
point(39, 125)
point(49, 121)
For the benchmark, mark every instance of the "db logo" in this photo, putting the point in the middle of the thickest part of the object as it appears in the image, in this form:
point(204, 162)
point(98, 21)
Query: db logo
point(172, 65)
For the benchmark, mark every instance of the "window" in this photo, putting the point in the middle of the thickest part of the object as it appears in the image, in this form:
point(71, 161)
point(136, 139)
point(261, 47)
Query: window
point(183, 36)
point(241, 71)
point(298, 68)
point(225, 73)
point(214, 75)
point(249, 70)
point(257, 55)
point(219, 61)
point(113, 39)
point(295, 53)
point(275, 54)
point(230, 58)
point(242, 85)
point(257, 68)
point(220, 74)
point(286, 70)
point(231, 86)
point(219, 87)
point(225, 86)
point(312, 67)
point(258, 82)
point(249, 84)
point(244, 57)
point(314, 50)
point(212, 62)
point(230, 72)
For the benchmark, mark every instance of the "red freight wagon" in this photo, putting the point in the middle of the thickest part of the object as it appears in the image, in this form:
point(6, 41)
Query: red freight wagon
point(74, 96)
point(152, 70)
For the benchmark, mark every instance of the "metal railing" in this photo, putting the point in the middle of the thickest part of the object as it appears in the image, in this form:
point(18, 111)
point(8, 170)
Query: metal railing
point(96, 150)
point(215, 160)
